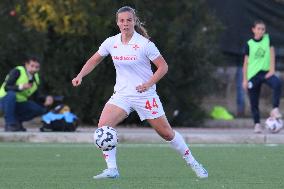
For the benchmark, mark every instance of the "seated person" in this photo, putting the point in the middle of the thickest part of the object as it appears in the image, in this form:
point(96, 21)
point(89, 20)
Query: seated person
point(20, 85)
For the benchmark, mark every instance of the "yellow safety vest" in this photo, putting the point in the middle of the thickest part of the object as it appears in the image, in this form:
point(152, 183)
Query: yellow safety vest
point(22, 96)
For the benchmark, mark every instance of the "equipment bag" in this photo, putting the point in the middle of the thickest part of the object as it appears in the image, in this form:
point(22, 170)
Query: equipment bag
point(59, 119)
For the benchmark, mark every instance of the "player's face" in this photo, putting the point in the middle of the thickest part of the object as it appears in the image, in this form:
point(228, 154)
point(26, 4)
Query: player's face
point(32, 66)
point(258, 30)
point(126, 22)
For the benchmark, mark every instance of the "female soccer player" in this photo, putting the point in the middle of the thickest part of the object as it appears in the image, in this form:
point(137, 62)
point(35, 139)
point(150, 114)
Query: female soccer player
point(135, 89)
point(259, 68)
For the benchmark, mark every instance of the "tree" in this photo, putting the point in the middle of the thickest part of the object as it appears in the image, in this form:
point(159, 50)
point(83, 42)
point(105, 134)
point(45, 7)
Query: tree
point(16, 40)
point(66, 17)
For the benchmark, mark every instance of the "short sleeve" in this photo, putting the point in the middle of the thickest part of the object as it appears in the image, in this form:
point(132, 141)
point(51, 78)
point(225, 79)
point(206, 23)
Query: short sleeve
point(151, 51)
point(246, 49)
point(104, 48)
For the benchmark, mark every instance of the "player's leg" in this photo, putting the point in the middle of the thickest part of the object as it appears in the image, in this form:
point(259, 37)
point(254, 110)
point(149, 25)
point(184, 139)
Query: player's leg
point(9, 109)
point(28, 110)
point(163, 128)
point(151, 109)
point(275, 83)
point(111, 116)
point(254, 88)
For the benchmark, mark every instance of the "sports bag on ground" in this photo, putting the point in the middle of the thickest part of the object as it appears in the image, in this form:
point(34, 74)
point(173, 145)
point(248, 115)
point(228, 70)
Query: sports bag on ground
point(59, 119)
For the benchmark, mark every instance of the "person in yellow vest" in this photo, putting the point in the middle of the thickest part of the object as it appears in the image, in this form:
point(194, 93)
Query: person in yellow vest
point(259, 68)
point(20, 84)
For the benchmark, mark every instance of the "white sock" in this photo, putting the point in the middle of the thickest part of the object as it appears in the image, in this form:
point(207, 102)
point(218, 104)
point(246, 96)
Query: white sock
point(180, 146)
point(110, 158)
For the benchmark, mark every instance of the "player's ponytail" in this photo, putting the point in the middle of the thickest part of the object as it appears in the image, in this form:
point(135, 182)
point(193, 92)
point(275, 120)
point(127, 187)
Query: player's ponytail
point(139, 28)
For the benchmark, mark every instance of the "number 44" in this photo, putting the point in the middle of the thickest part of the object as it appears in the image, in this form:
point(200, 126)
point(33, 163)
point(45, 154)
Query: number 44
point(148, 104)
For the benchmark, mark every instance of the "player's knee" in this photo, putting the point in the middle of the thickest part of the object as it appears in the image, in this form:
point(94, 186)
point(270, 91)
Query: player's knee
point(168, 136)
point(100, 124)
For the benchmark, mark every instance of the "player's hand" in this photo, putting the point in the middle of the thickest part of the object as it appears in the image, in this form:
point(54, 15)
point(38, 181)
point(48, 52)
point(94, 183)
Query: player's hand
point(143, 87)
point(77, 81)
point(26, 86)
point(269, 74)
point(48, 100)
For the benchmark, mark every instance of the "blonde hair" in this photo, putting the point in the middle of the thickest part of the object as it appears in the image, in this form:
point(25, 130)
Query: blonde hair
point(139, 28)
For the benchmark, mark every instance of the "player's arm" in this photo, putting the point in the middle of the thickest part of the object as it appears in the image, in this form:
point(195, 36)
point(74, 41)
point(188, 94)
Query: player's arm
point(272, 63)
point(11, 81)
point(162, 69)
point(245, 68)
point(87, 68)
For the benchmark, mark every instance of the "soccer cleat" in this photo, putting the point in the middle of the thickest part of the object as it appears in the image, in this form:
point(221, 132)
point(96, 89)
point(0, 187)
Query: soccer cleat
point(257, 128)
point(275, 113)
point(108, 173)
point(199, 170)
point(21, 127)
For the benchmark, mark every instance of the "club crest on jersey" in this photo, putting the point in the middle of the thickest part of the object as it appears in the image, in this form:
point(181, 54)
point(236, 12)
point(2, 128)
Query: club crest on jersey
point(135, 47)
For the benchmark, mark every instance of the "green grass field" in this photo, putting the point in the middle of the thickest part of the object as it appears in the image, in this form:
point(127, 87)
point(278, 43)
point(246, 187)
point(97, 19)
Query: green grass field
point(60, 166)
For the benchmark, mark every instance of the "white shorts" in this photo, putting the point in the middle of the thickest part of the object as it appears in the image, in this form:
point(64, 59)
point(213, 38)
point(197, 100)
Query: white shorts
point(148, 107)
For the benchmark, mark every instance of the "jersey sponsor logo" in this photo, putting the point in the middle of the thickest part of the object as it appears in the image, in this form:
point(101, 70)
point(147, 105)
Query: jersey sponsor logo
point(135, 47)
point(127, 57)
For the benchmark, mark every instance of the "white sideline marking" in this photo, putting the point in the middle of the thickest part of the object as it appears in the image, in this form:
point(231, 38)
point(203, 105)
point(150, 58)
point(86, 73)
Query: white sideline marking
point(123, 145)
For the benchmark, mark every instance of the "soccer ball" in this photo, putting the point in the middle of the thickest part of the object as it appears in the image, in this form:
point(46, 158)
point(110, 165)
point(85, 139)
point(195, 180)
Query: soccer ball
point(273, 125)
point(105, 138)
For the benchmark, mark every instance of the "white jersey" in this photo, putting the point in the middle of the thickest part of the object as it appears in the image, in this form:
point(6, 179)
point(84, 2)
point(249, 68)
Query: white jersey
point(132, 62)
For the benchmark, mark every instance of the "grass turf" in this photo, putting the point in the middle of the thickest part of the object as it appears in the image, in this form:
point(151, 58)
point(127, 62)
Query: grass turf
point(60, 166)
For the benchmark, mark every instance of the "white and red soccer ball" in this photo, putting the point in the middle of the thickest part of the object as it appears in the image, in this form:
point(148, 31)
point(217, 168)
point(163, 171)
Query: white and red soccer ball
point(273, 125)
